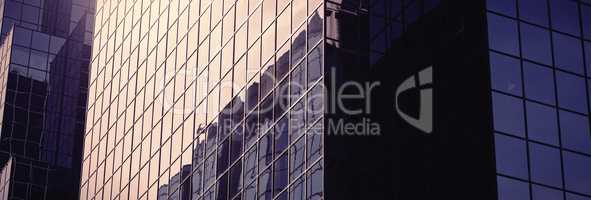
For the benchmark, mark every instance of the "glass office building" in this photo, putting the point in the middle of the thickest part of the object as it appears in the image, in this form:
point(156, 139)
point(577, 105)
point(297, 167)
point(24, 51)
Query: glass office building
point(45, 54)
point(302, 99)
point(540, 59)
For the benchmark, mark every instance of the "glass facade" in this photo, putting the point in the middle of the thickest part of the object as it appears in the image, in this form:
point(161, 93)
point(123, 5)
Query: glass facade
point(205, 100)
point(45, 58)
point(540, 73)
point(233, 99)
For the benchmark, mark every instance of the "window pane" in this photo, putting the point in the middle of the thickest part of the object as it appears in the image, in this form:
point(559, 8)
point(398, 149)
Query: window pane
point(250, 191)
point(502, 34)
point(568, 54)
point(571, 92)
point(586, 21)
point(576, 172)
point(536, 44)
point(511, 156)
point(296, 158)
point(542, 124)
point(315, 27)
point(570, 196)
point(539, 83)
point(534, 11)
point(265, 190)
point(315, 64)
point(565, 16)
point(265, 151)
point(588, 57)
point(280, 174)
point(510, 189)
point(20, 55)
point(545, 165)
point(505, 73)
point(506, 7)
point(235, 179)
point(250, 166)
point(315, 182)
point(544, 193)
point(281, 136)
point(315, 142)
point(508, 114)
point(575, 132)
point(223, 158)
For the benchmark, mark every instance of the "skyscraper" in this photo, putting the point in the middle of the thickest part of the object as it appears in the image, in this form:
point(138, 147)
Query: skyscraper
point(339, 99)
point(45, 59)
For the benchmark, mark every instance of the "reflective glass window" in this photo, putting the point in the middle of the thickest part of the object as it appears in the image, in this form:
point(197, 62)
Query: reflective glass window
point(534, 11)
point(565, 16)
point(509, 189)
point(280, 174)
point(542, 126)
point(575, 132)
point(571, 92)
point(535, 44)
point(265, 185)
point(568, 53)
point(586, 14)
point(545, 193)
point(508, 114)
point(539, 83)
point(576, 172)
point(511, 156)
point(545, 165)
point(315, 183)
point(506, 7)
point(502, 34)
point(505, 73)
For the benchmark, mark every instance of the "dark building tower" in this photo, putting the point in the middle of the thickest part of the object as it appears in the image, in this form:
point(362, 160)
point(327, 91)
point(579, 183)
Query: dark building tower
point(340, 99)
point(46, 50)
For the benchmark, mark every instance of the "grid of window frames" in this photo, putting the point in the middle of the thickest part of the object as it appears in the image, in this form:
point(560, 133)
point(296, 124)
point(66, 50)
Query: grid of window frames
point(5, 173)
point(232, 89)
point(540, 57)
point(43, 120)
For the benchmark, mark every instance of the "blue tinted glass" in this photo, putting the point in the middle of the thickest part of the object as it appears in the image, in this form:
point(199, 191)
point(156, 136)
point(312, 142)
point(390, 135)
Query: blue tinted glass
point(535, 11)
point(506, 73)
point(315, 182)
point(586, 21)
point(502, 34)
point(511, 157)
point(508, 114)
point(588, 57)
point(535, 43)
point(576, 172)
point(575, 132)
point(568, 54)
point(250, 191)
point(250, 166)
point(265, 185)
point(510, 189)
point(506, 7)
point(565, 16)
point(545, 165)
point(20, 55)
point(542, 124)
point(539, 83)
point(265, 151)
point(544, 193)
point(314, 142)
point(296, 158)
point(21, 36)
point(571, 196)
point(280, 174)
point(571, 92)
